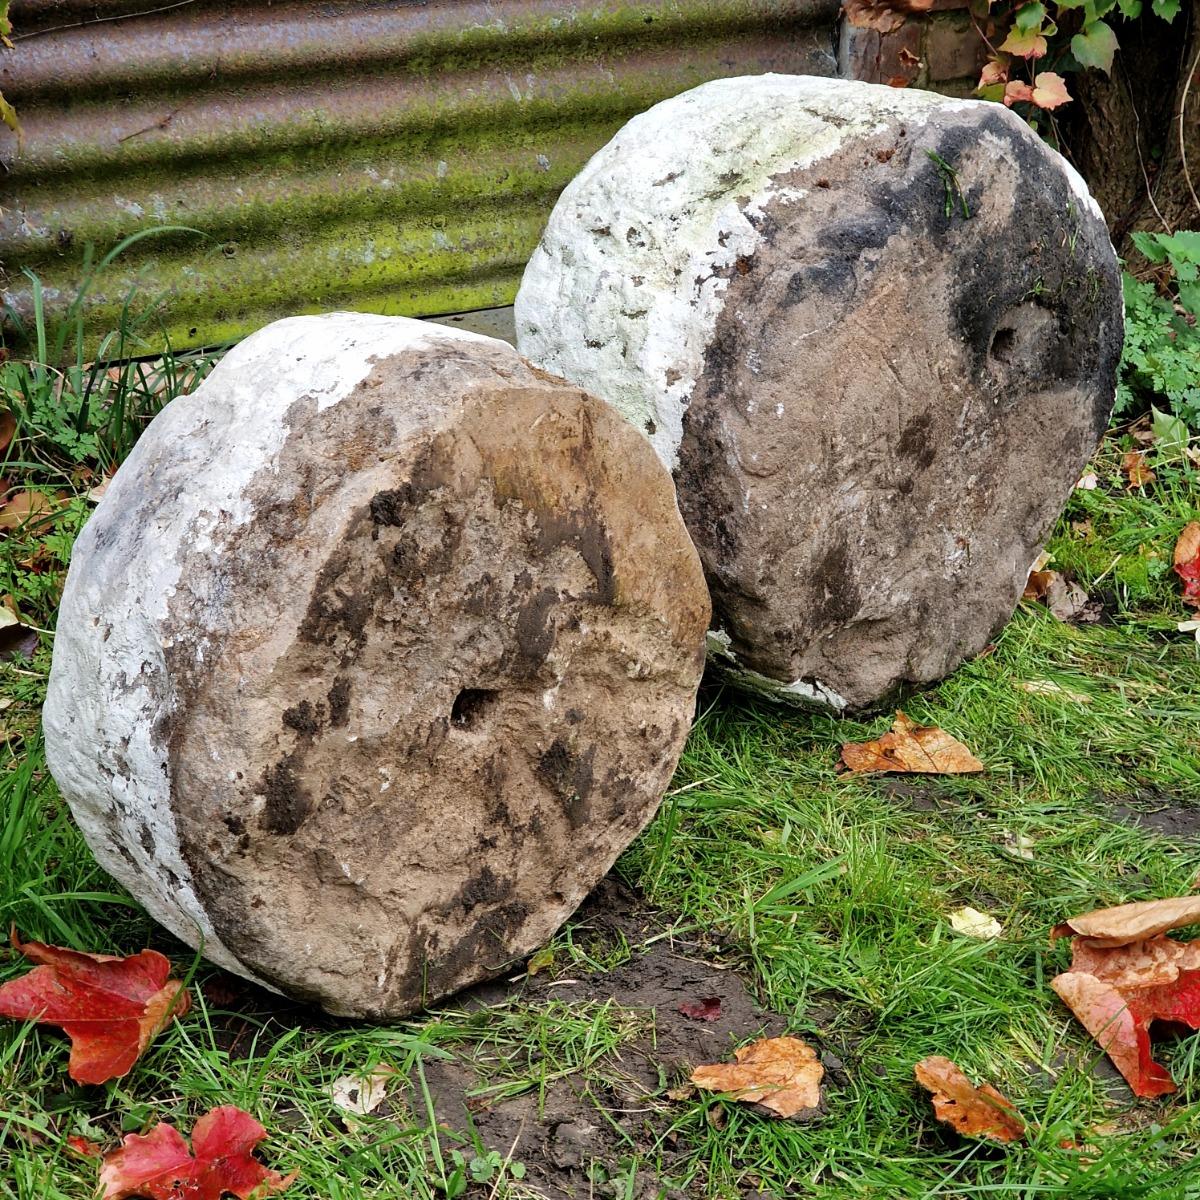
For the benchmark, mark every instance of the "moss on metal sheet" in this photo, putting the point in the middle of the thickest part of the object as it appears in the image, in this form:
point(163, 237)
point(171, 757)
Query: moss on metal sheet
point(409, 180)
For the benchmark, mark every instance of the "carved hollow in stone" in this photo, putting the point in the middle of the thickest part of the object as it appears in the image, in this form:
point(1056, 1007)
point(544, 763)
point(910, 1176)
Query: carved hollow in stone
point(377, 652)
point(874, 333)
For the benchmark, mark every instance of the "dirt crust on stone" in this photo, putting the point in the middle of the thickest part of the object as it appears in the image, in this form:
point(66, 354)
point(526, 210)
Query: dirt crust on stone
point(894, 346)
point(415, 687)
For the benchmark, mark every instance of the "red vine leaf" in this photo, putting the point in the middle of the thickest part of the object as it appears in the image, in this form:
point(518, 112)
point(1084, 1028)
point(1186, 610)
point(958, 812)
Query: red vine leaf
point(995, 71)
point(1128, 974)
point(159, 1166)
point(1024, 45)
point(1187, 562)
point(976, 1111)
point(110, 1008)
point(1049, 91)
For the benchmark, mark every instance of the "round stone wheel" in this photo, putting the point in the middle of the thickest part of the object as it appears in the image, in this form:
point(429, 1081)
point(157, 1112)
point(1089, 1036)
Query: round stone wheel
point(379, 649)
point(872, 331)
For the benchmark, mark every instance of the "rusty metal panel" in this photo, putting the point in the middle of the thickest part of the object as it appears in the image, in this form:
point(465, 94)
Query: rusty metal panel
point(386, 155)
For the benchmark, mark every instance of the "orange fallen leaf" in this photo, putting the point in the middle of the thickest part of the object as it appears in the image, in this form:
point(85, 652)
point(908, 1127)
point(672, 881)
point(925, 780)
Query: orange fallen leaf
point(1128, 923)
point(111, 1008)
point(976, 1111)
point(159, 1165)
point(1133, 466)
point(82, 1145)
point(1187, 562)
point(782, 1074)
point(1038, 584)
point(911, 748)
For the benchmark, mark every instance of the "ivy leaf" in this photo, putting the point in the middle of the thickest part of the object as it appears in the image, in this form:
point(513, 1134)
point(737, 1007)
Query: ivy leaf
point(1029, 17)
point(1132, 8)
point(1167, 9)
point(1095, 45)
point(1026, 45)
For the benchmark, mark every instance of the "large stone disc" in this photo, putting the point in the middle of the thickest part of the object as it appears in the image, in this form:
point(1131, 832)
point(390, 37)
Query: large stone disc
point(377, 652)
point(873, 332)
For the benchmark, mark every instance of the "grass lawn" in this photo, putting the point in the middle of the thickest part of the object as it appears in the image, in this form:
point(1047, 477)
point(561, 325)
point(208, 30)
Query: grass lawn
point(808, 902)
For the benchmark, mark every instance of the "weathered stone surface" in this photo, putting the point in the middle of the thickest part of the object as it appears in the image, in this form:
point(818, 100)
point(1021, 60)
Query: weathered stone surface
point(378, 650)
point(874, 332)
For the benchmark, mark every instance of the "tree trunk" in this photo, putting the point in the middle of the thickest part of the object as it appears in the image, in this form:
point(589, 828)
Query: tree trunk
point(1125, 134)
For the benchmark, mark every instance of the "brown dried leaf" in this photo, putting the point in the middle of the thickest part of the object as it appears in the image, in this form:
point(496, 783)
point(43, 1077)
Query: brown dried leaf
point(8, 429)
point(1135, 470)
point(911, 748)
point(782, 1074)
point(882, 15)
point(27, 509)
point(1128, 923)
point(975, 1111)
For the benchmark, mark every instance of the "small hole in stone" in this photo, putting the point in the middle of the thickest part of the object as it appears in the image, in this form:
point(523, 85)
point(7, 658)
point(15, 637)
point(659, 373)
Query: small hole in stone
point(1004, 342)
point(470, 706)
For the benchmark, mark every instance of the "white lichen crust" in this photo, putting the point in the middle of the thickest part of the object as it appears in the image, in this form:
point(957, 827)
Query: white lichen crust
point(116, 598)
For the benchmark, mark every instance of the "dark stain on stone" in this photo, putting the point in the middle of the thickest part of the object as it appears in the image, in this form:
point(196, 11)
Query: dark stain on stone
point(914, 441)
point(483, 888)
point(303, 717)
point(484, 943)
point(339, 702)
point(287, 804)
point(569, 777)
point(146, 838)
point(390, 507)
point(534, 631)
point(839, 596)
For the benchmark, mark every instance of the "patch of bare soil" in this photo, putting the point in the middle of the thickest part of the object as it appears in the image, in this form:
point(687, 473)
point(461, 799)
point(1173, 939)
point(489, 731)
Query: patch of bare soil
point(579, 1139)
point(1169, 816)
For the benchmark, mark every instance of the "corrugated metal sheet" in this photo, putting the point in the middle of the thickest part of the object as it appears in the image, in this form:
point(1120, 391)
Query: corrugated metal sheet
point(391, 156)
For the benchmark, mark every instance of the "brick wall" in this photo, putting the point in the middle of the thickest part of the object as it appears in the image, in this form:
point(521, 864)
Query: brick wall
point(939, 50)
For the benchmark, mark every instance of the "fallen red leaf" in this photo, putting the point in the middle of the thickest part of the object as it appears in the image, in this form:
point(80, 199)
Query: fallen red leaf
point(82, 1145)
point(911, 748)
point(1187, 562)
point(109, 1007)
point(782, 1074)
point(1125, 974)
point(976, 1111)
point(159, 1166)
point(708, 1008)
